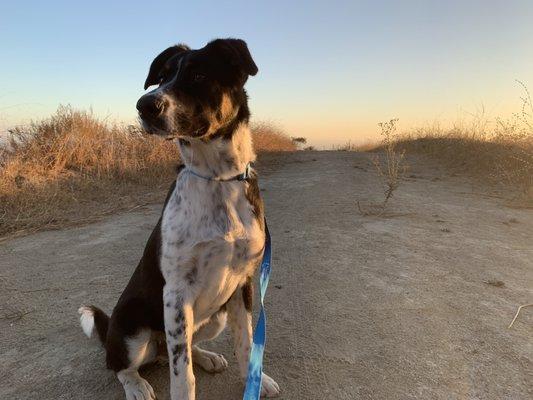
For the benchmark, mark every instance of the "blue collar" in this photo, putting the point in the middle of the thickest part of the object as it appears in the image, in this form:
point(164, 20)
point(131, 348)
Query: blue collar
point(240, 177)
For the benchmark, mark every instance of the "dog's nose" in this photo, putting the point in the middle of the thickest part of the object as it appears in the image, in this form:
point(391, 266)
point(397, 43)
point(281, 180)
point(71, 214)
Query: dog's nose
point(150, 106)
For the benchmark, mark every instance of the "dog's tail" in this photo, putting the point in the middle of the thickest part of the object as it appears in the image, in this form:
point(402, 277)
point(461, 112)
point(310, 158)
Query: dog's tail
point(92, 317)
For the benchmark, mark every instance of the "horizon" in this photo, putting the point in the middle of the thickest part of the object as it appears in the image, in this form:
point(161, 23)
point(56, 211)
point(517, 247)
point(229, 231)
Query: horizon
point(327, 72)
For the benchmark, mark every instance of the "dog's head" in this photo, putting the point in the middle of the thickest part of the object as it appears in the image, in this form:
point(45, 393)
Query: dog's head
point(199, 91)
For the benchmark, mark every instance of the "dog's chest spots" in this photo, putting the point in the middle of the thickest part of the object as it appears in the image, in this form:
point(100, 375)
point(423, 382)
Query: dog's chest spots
point(210, 236)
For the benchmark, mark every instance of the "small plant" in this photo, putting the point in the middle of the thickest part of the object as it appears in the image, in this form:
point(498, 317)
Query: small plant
point(393, 169)
point(514, 164)
point(299, 140)
point(390, 166)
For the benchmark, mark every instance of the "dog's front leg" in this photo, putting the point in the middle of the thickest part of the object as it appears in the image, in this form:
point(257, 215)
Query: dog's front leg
point(179, 328)
point(240, 320)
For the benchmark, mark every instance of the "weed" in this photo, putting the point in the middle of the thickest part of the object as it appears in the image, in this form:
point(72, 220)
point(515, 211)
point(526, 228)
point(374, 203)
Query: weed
point(390, 165)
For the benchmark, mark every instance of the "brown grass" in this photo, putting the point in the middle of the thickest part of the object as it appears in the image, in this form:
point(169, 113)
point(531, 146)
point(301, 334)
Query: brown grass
point(499, 151)
point(496, 152)
point(269, 137)
point(74, 167)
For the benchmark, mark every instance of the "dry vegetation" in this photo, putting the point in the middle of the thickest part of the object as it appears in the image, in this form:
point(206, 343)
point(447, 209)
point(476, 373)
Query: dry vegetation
point(390, 165)
point(500, 151)
point(75, 167)
point(497, 152)
point(269, 137)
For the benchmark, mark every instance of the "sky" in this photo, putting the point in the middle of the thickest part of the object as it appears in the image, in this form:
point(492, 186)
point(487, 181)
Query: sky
point(329, 71)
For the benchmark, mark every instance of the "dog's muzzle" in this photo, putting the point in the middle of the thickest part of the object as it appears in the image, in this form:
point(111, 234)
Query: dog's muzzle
point(151, 107)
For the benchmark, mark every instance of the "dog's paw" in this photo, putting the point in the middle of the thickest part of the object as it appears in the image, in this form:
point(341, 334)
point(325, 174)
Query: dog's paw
point(269, 387)
point(209, 361)
point(136, 388)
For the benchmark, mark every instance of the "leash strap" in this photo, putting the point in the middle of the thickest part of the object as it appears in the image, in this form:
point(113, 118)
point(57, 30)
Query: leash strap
point(255, 366)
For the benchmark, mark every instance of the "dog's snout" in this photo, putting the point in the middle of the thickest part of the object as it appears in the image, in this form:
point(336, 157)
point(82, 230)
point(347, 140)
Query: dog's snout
point(150, 106)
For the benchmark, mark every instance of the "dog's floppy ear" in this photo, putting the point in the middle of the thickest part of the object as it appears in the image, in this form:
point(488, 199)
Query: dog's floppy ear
point(159, 62)
point(238, 54)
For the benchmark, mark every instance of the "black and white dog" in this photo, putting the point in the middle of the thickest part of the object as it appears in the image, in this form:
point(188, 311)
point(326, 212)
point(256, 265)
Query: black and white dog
point(198, 264)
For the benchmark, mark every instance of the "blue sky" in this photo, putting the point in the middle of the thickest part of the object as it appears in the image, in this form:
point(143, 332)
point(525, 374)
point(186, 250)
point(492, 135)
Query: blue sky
point(329, 71)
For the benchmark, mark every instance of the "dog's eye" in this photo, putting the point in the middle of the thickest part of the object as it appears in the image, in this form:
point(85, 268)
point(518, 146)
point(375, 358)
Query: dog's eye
point(199, 77)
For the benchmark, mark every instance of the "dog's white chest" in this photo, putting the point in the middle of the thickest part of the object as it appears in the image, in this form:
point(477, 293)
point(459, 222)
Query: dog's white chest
point(211, 240)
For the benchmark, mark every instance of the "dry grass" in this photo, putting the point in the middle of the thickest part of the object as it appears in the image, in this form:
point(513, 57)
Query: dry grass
point(499, 151)
point(496, 152)
point(74, 167)
point(269, 137)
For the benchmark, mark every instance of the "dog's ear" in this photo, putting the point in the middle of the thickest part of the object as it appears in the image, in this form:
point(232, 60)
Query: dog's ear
point(159, 62)
point(238, 54)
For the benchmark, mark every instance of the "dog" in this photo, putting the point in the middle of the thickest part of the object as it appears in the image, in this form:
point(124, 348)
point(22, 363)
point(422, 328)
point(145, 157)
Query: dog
point(197, 269)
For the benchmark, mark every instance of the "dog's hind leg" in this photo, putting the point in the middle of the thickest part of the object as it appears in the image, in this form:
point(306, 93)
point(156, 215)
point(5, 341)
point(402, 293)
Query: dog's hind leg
point(125, 353)
point(141, 349)
point(240, 321)
point(209, 361)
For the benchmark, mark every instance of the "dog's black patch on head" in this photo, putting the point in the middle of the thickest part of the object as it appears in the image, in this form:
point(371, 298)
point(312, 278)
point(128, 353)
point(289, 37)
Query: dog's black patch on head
point(207, 84)
point(163, 64)
point(236, 52)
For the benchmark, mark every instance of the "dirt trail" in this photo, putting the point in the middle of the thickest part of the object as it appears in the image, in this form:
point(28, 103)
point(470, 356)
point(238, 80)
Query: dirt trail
point(403, 306)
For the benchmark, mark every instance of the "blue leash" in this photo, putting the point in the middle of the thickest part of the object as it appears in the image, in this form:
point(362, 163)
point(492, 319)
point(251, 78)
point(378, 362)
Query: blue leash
point(255, 367)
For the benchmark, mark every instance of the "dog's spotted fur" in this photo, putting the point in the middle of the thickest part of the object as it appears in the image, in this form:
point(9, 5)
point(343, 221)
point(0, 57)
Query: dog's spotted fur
point(197, 268)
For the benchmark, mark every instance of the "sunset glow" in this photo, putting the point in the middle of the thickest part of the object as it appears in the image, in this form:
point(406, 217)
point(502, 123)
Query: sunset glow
point(328, 71)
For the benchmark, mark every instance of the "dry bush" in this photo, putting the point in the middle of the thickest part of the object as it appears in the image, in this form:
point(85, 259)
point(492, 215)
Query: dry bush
point(74, 167)
point(390, 165)
point(500, 151)
point(268, 137)
point(300, 143)
point(393, 168)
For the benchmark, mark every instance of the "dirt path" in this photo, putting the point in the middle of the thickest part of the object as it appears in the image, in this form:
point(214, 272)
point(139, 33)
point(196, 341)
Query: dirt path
point(403, 306)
